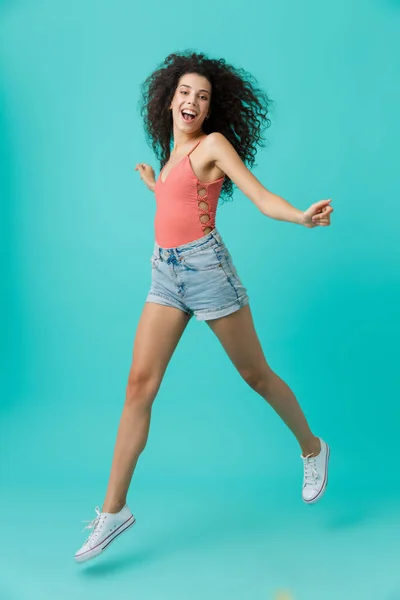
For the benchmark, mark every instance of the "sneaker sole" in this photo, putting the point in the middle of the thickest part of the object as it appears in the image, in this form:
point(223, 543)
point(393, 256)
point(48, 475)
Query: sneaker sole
point(325, 484)
point(93, 552)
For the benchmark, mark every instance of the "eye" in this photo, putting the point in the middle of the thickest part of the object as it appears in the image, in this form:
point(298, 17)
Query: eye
point(183, 92)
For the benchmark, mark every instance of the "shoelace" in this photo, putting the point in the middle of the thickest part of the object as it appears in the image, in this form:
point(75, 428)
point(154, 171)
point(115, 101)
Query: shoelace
point(310, 470)
point(94, 524)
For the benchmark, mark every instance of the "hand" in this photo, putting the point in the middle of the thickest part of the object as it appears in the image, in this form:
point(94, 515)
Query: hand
point(317, 215)
point(147, 175)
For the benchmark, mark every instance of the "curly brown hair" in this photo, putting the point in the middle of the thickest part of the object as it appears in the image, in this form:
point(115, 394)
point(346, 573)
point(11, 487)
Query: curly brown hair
point(239, 108)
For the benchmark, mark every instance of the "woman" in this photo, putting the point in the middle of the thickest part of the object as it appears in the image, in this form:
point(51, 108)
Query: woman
point(214, 114)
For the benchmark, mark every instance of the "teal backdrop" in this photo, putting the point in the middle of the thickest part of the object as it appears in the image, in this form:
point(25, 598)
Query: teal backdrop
point(217, 492)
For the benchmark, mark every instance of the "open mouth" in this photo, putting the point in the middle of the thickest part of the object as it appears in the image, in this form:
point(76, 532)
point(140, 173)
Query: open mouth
point(188, 117)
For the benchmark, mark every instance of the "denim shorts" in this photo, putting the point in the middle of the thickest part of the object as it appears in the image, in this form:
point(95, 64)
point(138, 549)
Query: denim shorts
point(198, 278)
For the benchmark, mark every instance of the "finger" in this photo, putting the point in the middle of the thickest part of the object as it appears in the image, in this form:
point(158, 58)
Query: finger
point(322, 203)
point(326, 210)
point(323, 214)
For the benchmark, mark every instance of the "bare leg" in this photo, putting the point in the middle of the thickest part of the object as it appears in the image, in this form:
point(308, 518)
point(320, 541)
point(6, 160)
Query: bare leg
point(158, 333)
point(237, 335)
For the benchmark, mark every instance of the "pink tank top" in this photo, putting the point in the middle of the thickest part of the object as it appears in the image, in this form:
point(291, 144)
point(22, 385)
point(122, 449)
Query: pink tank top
point(186, 206)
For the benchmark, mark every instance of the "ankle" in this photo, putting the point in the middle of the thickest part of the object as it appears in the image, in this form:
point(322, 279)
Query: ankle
point(113, 507)
point(311, 447)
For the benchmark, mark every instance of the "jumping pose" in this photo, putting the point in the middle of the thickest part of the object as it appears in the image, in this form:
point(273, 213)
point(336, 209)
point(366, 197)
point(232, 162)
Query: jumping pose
point(213, 116)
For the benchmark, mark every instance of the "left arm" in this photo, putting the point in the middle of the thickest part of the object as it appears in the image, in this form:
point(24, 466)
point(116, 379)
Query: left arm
point(225, 157)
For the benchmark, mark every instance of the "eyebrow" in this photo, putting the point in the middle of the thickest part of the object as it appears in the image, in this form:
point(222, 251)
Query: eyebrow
point(184, 84)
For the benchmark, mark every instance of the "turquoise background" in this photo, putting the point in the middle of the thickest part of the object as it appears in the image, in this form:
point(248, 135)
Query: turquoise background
point(217, 491)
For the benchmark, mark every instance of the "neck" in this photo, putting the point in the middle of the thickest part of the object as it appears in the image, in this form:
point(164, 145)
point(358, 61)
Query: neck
point(182, 140)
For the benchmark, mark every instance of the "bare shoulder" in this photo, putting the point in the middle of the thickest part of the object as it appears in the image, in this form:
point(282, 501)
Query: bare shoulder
point(217, 146)
point(217, 142)
point(221, 152)
point(211, 148)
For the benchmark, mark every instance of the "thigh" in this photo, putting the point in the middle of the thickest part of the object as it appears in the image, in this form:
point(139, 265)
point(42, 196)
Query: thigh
point(158, 333)
point(238, 336)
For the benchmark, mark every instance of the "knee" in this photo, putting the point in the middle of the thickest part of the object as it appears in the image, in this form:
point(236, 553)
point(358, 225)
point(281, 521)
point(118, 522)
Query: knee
point(256, 378)
point(141, 388)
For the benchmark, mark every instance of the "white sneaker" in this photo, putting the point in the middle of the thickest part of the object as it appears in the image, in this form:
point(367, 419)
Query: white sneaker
point(315, 474)
point(106, 528)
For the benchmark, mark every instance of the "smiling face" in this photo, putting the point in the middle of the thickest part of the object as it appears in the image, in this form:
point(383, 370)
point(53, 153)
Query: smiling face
point(191, 103)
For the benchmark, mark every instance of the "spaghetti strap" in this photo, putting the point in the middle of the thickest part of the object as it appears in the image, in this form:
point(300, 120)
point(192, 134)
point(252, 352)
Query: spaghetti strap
point(195, 146)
